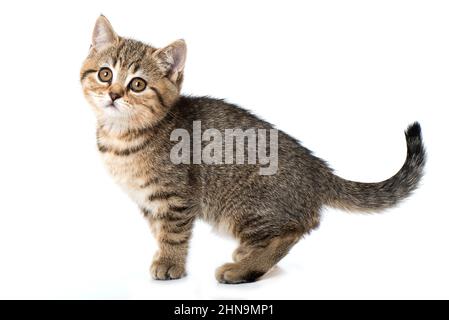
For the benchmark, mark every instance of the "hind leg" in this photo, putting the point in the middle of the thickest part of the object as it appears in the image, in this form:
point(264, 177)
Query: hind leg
point(252, 260)
point(241, 252)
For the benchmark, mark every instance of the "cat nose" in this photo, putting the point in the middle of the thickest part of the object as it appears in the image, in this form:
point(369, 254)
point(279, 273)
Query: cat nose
point(114, 96)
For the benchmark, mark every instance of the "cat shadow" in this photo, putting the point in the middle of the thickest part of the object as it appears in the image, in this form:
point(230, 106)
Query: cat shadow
point(276, 271)
point(237, 290)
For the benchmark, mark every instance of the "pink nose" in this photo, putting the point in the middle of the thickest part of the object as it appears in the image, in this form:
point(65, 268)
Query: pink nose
point(114, 96)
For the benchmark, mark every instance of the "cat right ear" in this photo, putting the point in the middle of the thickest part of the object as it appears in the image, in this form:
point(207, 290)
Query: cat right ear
point(172, 59)
point(103, 34)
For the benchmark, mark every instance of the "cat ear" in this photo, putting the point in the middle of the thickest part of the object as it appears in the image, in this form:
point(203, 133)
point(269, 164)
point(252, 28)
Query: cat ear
point(103, 34)
point(172, 59)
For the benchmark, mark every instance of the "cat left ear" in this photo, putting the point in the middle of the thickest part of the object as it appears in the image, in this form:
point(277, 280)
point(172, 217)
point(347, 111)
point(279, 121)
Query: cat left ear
point(172, 59)
point(103, 34)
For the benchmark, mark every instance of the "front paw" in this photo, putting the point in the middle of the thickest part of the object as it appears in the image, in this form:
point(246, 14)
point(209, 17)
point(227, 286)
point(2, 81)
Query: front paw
point(166, 270)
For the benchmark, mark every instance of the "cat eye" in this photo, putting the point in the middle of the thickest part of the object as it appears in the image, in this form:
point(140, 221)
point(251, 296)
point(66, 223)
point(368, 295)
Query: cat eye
point(105, 75)
point(137, 85)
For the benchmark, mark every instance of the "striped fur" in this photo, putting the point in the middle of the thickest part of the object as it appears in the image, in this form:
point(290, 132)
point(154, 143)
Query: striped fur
point(267, 214)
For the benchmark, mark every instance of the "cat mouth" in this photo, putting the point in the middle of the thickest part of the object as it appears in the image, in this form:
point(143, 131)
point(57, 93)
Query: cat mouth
point(111, 105)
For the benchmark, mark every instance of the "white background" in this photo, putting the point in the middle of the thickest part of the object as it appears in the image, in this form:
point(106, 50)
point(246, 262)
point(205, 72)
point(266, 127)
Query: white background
point(344, 77)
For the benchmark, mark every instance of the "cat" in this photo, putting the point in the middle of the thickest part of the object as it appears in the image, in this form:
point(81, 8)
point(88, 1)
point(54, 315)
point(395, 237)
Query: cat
point(134, 90)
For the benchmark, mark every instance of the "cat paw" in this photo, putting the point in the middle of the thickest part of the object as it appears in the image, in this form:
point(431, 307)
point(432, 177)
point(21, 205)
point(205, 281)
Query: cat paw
point(234, 273)
point(163, 270)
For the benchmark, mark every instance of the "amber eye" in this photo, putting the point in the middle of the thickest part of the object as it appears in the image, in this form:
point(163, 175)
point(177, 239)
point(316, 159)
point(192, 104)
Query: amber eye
point(137, 85)
point(105, 75)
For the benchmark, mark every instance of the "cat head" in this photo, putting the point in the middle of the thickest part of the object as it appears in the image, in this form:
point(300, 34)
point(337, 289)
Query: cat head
point(130, 85)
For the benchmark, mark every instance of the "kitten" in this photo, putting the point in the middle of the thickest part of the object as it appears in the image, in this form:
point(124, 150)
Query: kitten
point(134, 89)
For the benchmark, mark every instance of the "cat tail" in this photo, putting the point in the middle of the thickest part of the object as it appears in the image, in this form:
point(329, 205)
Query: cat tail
point(358, 196)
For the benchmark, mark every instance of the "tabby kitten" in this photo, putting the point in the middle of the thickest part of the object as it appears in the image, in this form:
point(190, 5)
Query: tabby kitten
point(134, 89)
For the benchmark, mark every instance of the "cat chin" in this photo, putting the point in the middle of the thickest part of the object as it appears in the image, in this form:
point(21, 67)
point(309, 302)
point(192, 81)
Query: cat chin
point(114, 127)
point(118, 123)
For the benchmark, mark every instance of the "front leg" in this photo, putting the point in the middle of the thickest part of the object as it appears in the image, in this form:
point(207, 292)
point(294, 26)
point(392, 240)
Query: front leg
point(172, 230)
